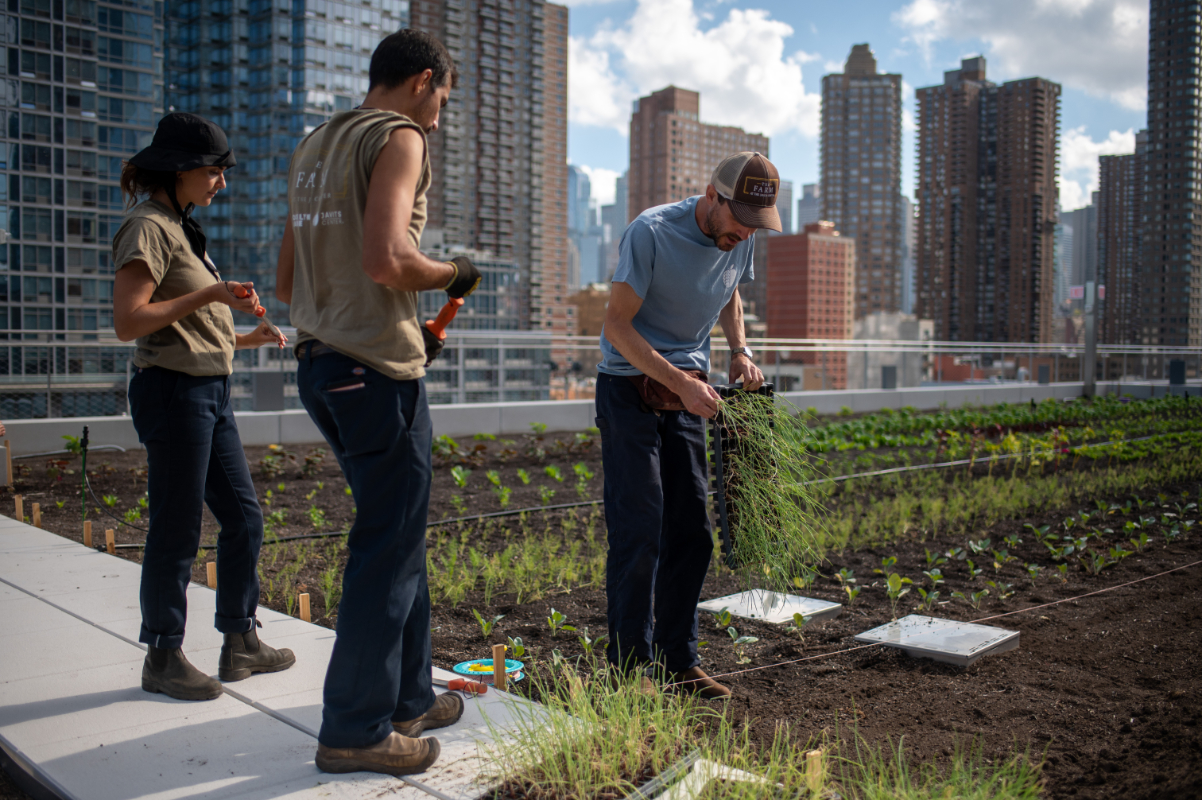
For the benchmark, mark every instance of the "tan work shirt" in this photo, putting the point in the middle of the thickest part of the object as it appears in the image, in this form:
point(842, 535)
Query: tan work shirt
point(201, 343)
point(333, 299)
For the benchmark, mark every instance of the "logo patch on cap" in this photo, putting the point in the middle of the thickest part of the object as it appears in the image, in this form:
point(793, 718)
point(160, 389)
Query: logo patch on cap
point(759, 188)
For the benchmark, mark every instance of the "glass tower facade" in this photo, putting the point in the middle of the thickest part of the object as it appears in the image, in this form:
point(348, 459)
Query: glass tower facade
point(268, 72)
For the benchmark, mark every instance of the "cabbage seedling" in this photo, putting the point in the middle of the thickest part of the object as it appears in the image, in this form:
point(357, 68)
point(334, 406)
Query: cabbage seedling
point(934, 559)
point(1141, 541)
point(928, 598)
point(740, 643)
point(1033, 571)
point(845, 576)
point(1004, 590)
point(976, 598)
point(1012, 540)
point(1063, 570)
point(587, 642)
point(723, 618)
point(545, 495)
point(486, 625)
point(979, 547)
point(556, 622)
point(852, 593)
point(460, 476)
point(956, 554)
point(516, 646)
point(935, 576)
point(973, 570)
point(524, 477)
point(887, 563)
point(553, 473)
point(897, 587)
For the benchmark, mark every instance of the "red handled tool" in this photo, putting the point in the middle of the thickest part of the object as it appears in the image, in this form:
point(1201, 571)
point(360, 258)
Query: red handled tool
point(463, 685)
point(241, 291)
point(434, 332)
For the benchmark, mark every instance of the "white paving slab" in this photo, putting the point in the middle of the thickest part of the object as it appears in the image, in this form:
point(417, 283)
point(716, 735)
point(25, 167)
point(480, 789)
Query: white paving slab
point(949, 641)
point(92, 732)
point(773, 606)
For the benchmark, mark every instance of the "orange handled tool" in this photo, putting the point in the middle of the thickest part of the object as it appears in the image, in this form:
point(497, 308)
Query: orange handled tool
point(241, 291)
point(463, 684)
point(434, 332)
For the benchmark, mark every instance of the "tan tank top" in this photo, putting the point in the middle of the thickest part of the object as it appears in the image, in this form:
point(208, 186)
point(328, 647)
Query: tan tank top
point(333, 299)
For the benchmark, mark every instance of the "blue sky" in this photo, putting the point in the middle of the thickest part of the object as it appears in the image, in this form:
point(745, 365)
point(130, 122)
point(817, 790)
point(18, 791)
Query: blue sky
point(760, 64)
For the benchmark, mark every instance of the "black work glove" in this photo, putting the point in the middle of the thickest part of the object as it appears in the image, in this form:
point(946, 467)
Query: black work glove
point(466, 279)
point(434, 345)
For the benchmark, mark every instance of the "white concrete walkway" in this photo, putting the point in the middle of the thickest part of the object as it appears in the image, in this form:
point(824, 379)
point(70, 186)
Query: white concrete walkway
point(72, 708)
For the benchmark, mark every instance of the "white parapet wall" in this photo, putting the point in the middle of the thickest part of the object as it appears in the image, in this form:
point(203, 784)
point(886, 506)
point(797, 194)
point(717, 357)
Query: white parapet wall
point(295, 427)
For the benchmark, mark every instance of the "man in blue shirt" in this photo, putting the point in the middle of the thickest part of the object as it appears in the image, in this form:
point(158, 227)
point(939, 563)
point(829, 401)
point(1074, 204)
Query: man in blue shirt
point(679, 268)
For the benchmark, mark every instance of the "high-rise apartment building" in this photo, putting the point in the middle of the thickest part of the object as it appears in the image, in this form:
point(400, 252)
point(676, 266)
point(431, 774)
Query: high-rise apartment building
point(811, 281)
point(268, 72)
point(1120, 219)
point(1065, 240)
point(784, 206)
point(809, 205)
point(861, 174)
point(500, 160)
point(83, 91)
point(907, 259)
point(1084, 222)
point(1171, 283)
point(672, 153)
point(986, 191)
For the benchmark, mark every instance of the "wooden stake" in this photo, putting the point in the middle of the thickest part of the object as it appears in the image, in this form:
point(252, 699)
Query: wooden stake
point(110, 541)
point(20, 504)
point(87, 533)
point(8, 457)
point(814, 771)
point(212, 569)
point(498, 667)
point(37, 515)
point(304, 607)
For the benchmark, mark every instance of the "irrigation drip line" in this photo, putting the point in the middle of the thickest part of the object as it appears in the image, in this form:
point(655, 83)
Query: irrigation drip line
point(101, 508)
point(974, 621)
point(65, 452)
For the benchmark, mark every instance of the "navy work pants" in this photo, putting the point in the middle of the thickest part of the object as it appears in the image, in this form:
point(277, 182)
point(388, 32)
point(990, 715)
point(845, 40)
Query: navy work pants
point(380, 431)
point(195, 457)
point(660, 538)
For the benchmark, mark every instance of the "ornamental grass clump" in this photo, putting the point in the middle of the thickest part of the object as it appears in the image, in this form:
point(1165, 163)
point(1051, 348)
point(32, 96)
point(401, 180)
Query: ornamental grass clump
point(772, 516)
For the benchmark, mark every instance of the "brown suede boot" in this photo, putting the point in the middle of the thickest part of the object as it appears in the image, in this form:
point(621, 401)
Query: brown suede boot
point(396, 755)
point(695, 681)
point(447, 710)
point(243, 654)
point(169, 672)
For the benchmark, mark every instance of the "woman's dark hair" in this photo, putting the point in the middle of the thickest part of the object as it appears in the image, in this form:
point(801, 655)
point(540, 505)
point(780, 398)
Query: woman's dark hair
point(136, 181)
point(401, 55)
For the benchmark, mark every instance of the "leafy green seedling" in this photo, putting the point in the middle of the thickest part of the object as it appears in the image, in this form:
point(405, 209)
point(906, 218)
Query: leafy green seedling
point(553, 473)
point(845, 577)
point(979, 547)
point(1004, 590)
point(524, 477)
point(110, 500)
point(935, 576)
point(557, 622)
point(485, 437)
point(1033, 571)
point(538, 428)
point(740, 643)
point(486, 625)
point(545, 495)
point(1140, 542)
point(133, 515)
point(587, 642)
point(799, 621)
point(935, 559)
point(1012, 540)
point(459, 475)
point(1063, 570)
point(723, 618)
point(459, 505)
point(1118, 553)
point(493, 477)
point(806, 579)
point(973, 570)
point(897, 587)
point(347, 491)
point(852, 593)
point(956, 554)
point(516, 647)
point(1001, 558)
point(928, 598)
point(976, 598)
point(502, 493)
point(317, 517)
point(887, 563)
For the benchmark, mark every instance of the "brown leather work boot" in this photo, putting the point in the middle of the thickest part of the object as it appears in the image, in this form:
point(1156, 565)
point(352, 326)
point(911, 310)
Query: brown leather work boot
point(639, 683)
point(447, 710)
point(168, 671)
point(396, 755)
point(243, 654)
point(695, 681)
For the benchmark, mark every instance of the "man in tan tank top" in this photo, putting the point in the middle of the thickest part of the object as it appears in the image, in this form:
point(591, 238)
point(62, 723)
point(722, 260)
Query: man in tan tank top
point(350, 269)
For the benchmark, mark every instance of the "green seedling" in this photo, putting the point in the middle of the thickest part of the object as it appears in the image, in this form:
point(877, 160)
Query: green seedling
point(1094, 562)
point(723, 618)
point(331, 587)
point(516, 647)
point(347, 491)
point(143, 502)
point(502, 493)
point(935, 576)
point(741, 656)
point(587, 643)
point(1012, 541)
point(806, 579)
point(60, 503)
point(799, 622)
point(897, 587)
point(317, 518)
point(538, 428)
point(311, 495)
point(887, 563)
point(524, 477)
point(1118, 554)
point(553, 473)
point(956, 554)
point(484, 437)
point(928, 598)
point(1004, 590)
point(459, 475)
point(1140, 542)
point(583, 476)
point(557, 622)
point(845, 576)
point(1173, 534)
point(486, 625)
point(973, 570)
point(975, 599)
point(133, 515)
point(852, 593)
point(1033, 571)
point(979, 547)
point(459, 505)
point(110, 500)
point(545, 495)
point(493, 477)
point(1187, 524)
point(934, 559)
point(1062, 569)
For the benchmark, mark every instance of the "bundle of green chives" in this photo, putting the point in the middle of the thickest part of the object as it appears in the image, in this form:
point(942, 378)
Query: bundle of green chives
point(774, 519)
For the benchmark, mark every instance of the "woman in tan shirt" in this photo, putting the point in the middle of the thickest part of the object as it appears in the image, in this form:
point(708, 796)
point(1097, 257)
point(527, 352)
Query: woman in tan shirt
point(169, 296)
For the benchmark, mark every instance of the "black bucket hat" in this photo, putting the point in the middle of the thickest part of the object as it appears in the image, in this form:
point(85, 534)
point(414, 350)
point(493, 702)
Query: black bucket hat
point(185, 141)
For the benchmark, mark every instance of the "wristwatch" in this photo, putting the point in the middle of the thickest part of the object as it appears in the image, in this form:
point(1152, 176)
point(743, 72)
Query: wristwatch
point(740, 351)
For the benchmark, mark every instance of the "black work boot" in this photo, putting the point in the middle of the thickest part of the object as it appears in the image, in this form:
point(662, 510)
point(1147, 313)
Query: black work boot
point(169, 672)
point(243, 654)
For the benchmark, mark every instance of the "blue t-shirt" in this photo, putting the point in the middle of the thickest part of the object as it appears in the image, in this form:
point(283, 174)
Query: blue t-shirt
point(684, 280)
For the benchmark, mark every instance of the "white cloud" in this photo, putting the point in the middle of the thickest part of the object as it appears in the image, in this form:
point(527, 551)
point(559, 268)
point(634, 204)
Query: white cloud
point(738, 65)
point(1079, 163)
point(1098, 46)
point(601, 183)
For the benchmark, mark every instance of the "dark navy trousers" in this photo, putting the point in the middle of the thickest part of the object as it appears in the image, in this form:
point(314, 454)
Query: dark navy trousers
point(380, 431)
point(660, 537)
point(195, 457)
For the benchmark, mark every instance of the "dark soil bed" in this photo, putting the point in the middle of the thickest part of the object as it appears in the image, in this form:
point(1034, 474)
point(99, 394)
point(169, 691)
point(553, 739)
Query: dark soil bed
point(1109, 687)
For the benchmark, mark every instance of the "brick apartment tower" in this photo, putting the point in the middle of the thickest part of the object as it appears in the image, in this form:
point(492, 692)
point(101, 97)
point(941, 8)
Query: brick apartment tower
point(811, 281)
point(1120, 210)
point(986, 195)
point(861, 174)
point(499, 158)
point(672, 153)
point(1171, 286)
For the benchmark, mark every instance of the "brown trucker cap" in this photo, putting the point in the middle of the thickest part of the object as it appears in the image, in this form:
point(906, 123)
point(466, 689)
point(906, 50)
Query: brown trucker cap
point(750, 183)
